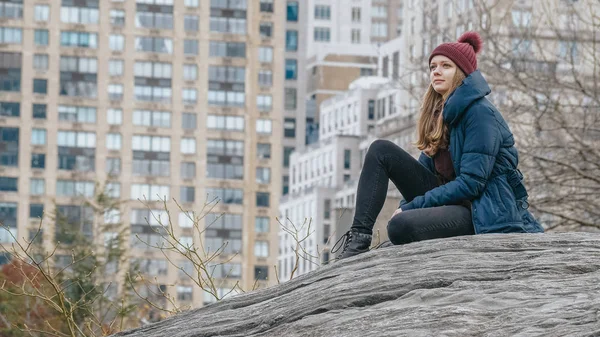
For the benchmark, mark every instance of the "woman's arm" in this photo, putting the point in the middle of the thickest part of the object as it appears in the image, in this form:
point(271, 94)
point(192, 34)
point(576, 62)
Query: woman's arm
point(427, 162)
point(482, 143)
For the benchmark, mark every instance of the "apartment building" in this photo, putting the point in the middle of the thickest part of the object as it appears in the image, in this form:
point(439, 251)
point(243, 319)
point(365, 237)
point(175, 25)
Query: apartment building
point(156, 99)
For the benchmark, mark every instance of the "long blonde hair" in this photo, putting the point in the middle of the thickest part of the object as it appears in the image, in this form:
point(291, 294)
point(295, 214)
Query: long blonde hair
point(432, 132)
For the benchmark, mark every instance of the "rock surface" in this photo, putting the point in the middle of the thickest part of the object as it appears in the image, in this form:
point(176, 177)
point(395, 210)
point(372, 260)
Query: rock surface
point(484, 285)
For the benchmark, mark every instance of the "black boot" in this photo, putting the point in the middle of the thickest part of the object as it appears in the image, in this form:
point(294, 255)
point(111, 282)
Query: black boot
point(353, 243)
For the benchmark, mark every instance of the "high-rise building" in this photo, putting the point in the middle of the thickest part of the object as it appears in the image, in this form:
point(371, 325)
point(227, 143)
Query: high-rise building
point(159, 99)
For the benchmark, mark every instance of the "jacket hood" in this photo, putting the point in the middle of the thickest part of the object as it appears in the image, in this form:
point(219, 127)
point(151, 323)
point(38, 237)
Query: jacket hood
point(472, 88)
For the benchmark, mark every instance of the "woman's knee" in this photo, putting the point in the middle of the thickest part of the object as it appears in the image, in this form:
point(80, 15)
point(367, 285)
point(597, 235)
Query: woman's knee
point(401, 229)
point(382, 146)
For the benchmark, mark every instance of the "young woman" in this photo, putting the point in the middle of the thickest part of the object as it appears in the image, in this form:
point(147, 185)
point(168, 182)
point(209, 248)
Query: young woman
point(466, 180)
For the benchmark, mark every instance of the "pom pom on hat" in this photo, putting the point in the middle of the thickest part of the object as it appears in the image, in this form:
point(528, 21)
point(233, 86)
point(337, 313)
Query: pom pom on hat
point(463, 52)
point(472, 38)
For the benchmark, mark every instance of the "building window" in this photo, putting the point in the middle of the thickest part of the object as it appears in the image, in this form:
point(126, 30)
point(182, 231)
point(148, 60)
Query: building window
point(191, 3)
point(379, 29)
point(266, 6)
point(262, 199)
point(116, 42)
point(356, 14)
point(265, 54)
point(322, 34)
point(291, 69)
point(229, 123)
point(76, 151)
point(8, 211)
point(264, 126)
point(220, 229)
point(78, 39)
point(153, 81)
point(190, 47)
point(37, 186)
point(355, 36)
point(78, 76)
point(261, 224)
point(189, 95)
point(115, 67)
point(117, 17)
point(188, 170)
point(114, 116)
point(40, 86)
point(227, 86)
point(11, 35)
point(154, 44)
point(346, 177)
point(38, 160)
point(40, 37)
point(184, 293)
point(81, 12)
point(226, 196)
point(190, 23)
point(41, 13)
point(292, 11)
point(263, 175)
point(154, 14)
point(227, 49)
point(521, 18)
point(225, 159)
point(233, 22)
point(190, 72)
point(150, 192)
point(264, 102)
point(287, 151)
point(187, 194)
point(327, 209)
point(36, 210)
point(188, 121)
point(291, 40)
point(113, 141)
point(9, 141)
point(322, 12)
point(261, 273)
point(261, 248)
point(188, 145)
point(347, 154)
point(10, 109)
point(379, 11)
point(265, 78)
point(371, 109)
point(263, 150)
point(10, 68)
point(72, 188)
point(79, 114)
point(8, 184)
point(40, 62)
point(152, 118)
point(113, 166)
point(38, 137)
point(115, 92)
point(289, 127)
point(266, 30)
point(290, 98)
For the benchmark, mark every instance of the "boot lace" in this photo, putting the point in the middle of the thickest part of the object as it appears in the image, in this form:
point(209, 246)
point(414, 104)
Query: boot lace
point(344, 241)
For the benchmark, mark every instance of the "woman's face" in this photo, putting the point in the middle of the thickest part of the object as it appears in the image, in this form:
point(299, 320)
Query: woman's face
point(441, 73)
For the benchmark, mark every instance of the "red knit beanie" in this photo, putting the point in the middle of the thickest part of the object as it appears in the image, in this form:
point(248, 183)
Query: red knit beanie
point(463, 52)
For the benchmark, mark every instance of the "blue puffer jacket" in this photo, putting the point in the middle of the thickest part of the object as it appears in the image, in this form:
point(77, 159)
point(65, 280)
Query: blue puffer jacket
point(485, 162)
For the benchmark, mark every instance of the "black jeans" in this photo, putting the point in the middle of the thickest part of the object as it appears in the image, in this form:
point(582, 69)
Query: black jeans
point(386, 161)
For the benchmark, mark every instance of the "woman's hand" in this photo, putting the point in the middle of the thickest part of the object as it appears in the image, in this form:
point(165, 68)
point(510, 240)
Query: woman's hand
point(398, 211)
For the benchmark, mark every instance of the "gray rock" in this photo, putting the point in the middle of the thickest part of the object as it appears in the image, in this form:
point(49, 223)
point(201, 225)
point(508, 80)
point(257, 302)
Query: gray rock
point(484, 285)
